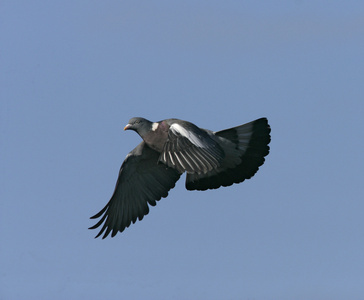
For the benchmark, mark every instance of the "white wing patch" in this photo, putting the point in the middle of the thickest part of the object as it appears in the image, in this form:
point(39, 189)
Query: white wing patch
point(193, 138)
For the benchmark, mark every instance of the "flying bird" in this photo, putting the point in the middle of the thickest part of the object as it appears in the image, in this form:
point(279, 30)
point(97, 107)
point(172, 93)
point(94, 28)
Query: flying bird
point(172, 147)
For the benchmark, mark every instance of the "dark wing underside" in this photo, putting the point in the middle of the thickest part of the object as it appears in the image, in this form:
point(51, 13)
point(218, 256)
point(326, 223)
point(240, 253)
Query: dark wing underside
point(251, 143)
point(191, 149)
point(141, 181)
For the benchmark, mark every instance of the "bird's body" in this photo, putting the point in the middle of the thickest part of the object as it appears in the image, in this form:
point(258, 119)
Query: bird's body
point(172, 147)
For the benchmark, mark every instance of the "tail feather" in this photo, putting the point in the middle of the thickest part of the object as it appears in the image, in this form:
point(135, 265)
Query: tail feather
point(251, 146)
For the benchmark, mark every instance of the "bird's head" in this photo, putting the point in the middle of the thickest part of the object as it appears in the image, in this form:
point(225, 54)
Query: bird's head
point(140, 125)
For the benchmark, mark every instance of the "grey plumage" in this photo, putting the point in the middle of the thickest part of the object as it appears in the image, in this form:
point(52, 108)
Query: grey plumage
point(172, 147)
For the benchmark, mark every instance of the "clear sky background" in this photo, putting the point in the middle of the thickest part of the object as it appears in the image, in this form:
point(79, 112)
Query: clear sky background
point(74, 72)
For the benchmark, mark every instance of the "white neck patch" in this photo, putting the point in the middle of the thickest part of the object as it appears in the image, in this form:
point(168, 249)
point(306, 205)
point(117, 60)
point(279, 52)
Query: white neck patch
point(155, 126)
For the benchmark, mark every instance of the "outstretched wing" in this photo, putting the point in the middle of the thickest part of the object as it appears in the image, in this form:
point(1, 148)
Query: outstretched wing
point(141, 180)
point(245, 147)
point(191, 149)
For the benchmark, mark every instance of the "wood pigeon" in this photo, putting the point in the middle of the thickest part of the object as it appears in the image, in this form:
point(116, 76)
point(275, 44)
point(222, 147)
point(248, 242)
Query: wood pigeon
point(172, 147)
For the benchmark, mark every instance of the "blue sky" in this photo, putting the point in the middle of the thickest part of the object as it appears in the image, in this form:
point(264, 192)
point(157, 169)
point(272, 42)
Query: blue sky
point(74, 72)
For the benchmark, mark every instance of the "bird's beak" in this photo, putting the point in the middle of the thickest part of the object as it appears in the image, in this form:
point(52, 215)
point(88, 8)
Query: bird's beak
point(127, 127)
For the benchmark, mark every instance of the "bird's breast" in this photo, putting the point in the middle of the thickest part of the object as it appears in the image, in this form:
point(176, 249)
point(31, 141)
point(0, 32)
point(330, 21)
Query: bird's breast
point(156, 139)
